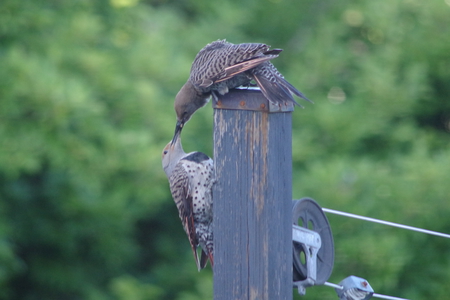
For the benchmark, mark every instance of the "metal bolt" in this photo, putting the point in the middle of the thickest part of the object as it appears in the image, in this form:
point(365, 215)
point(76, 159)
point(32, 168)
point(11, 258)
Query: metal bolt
point(242, 103)
point(262, 105)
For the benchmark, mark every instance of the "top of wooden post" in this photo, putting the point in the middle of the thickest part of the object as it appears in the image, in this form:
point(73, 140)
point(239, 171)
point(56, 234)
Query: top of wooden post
point(250, 99)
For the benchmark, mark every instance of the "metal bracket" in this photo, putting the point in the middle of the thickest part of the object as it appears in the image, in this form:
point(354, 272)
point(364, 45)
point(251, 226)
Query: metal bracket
point(354, 288)
point(311, 242)
point(313, 246)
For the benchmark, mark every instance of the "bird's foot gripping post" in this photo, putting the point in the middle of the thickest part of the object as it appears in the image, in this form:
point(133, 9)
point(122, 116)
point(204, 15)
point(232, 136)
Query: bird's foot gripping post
point(313, 246)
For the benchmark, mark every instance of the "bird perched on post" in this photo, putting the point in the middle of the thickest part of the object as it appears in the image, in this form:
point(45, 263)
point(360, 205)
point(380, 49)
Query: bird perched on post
point(221, 66)
point(191, 177)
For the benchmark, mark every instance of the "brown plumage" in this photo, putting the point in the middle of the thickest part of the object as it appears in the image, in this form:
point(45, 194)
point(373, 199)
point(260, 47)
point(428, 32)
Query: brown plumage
point(191, 177)
point(221, 66)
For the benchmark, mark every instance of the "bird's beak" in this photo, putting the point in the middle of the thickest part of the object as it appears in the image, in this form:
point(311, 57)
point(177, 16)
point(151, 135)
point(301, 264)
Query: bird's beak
point(177, 133)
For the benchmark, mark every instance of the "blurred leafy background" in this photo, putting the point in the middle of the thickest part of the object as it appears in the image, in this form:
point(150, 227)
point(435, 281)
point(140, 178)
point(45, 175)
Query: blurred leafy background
point(86, 106)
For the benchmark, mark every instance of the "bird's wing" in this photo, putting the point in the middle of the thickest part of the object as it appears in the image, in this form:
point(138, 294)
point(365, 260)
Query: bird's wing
point(231, 71)
point(221, 60)
point(180, 189)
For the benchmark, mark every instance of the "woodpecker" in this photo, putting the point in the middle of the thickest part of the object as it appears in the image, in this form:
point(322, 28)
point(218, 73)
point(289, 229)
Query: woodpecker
point(221, 66)
point(191, 177)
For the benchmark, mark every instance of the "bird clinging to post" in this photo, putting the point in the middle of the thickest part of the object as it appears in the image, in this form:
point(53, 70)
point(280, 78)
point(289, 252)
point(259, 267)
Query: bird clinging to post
point(221, 66)
point(191, 177)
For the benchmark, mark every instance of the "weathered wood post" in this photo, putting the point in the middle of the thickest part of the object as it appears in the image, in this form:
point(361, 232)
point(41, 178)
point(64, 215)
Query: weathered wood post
point(252, 198)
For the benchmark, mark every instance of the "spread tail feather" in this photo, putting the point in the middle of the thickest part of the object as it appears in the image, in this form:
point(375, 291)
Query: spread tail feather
point(278, 89)
point(291, 88)
point(204, 259)
point(273, 91)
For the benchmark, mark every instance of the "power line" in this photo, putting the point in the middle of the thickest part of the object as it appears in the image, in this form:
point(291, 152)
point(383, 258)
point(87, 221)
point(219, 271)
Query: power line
point(336, 212)
point(345, 214)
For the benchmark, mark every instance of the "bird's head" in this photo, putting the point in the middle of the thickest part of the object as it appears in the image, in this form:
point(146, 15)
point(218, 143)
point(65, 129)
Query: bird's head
point(171, 154)
point(187, 101)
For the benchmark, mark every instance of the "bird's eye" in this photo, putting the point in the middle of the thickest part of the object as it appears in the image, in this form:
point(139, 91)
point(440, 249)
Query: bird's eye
point(165, 151)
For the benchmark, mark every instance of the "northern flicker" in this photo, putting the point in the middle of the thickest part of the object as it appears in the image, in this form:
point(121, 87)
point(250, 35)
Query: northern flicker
point(221, 66)
point(191, 177)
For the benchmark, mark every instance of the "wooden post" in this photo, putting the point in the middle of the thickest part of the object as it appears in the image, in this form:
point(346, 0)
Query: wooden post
point(252, 198)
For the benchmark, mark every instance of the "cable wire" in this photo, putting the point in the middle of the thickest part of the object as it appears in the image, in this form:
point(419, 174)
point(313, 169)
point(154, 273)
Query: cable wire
point(336, 212)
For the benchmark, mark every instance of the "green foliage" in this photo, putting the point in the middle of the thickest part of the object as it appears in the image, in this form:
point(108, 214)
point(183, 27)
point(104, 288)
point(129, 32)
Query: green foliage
point(86, 106)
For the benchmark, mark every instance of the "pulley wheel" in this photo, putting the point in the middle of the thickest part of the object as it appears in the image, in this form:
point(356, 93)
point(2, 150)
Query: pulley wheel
point(308, 214)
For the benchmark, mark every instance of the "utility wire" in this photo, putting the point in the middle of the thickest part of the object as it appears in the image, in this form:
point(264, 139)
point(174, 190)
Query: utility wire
point(337, 286)
point(336, 212)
